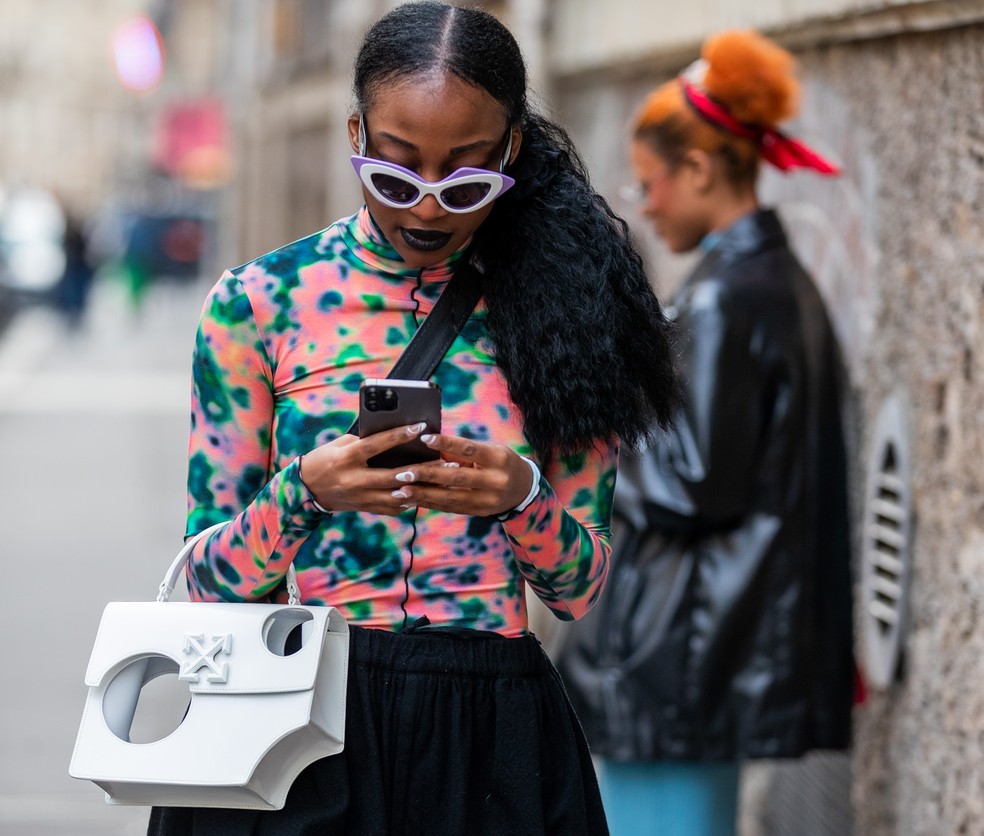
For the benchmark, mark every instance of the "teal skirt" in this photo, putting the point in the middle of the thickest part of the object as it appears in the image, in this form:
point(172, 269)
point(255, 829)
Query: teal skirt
point(670, 799)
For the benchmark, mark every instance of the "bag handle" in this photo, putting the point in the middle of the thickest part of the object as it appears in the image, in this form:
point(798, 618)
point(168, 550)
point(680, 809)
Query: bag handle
point(178, 564)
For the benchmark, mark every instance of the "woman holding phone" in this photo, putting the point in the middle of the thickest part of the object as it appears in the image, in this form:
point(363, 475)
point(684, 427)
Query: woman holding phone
point(456, 722)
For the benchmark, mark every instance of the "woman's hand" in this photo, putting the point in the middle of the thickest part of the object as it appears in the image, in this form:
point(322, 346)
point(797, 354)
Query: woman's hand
point(337, 475)
point(472, 478)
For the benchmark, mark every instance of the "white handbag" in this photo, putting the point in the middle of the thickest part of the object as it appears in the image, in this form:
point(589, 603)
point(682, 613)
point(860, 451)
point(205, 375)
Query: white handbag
point(259, 712)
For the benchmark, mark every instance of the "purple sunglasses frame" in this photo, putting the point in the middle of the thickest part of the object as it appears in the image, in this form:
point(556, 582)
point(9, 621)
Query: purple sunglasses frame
point(365, 167)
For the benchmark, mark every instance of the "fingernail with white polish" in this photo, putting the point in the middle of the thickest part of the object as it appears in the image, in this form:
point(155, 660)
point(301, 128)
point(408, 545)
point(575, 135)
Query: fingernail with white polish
point(406, 476)
point(416, 428)
point(400, 495)
point(428, 438)
point(408, 506)
point(451, 464)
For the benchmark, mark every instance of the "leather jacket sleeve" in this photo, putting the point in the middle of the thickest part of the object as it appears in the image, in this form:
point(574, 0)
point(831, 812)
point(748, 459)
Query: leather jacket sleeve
point(697, 475)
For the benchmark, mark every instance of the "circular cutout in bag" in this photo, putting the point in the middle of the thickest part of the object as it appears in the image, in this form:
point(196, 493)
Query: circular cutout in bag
point(286, 631)
point(145, 702)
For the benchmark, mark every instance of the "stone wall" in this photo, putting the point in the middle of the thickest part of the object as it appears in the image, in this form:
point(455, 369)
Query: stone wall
point(916, 103)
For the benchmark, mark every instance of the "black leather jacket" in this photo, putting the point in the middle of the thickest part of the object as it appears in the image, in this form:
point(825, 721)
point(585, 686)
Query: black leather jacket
point(725, 628)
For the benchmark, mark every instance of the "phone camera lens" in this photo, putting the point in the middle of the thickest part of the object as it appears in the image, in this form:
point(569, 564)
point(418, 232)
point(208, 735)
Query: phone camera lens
point(379, 399)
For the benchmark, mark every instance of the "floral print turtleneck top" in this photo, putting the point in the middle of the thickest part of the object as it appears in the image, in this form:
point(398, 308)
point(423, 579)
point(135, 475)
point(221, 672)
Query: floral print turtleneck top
point(282, 347)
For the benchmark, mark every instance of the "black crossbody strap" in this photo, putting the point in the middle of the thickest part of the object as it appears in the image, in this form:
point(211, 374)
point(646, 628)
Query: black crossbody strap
point(433, 338)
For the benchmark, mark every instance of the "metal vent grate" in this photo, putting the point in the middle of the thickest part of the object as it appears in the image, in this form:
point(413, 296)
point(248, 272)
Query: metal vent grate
point(887, 545)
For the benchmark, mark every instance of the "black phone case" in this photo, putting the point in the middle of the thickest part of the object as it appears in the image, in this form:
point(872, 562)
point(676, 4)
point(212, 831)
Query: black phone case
point(416, 404)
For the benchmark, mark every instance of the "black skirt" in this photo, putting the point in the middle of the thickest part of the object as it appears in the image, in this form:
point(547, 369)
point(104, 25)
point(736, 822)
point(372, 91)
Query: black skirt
point(446, 733)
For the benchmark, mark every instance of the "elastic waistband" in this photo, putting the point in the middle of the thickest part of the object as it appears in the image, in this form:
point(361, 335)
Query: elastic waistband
point(431, 651)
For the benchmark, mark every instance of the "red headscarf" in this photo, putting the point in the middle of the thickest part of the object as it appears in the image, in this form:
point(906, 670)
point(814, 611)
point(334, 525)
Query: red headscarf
point(784, 152)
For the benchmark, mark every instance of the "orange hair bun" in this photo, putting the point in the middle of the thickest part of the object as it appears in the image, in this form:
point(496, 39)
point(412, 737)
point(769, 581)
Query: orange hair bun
point(662, 103)
point(751, 76)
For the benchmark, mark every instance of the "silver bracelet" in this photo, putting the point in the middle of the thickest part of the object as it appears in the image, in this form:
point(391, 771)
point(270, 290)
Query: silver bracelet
point(534, 490)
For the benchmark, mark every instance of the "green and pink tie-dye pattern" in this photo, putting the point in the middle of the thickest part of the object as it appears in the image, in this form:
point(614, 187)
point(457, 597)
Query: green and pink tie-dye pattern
point(282, 347)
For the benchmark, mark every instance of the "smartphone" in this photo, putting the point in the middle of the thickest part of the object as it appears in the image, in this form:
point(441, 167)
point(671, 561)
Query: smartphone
point(385, 404)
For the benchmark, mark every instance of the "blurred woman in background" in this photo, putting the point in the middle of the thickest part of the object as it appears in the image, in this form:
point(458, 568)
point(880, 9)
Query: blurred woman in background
point(725, 633)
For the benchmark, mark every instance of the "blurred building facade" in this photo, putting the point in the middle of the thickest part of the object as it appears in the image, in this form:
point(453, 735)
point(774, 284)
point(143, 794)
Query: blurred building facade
point(67, 121)
point(63, 118)
point(892, 88)
point(117, 109)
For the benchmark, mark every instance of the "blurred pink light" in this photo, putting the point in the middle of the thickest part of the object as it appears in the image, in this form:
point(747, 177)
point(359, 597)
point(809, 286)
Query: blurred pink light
point(138, 54)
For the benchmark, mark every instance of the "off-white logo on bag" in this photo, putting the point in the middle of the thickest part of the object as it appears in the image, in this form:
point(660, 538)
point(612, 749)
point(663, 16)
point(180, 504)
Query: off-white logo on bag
point(203, 656)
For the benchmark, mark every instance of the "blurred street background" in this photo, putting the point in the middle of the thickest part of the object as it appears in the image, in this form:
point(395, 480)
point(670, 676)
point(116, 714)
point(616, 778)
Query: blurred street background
point(147, 144)
point(93, 426)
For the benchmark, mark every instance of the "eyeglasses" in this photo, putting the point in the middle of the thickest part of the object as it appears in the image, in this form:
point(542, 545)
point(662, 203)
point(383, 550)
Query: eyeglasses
point(464, 190)
point(634, 193)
